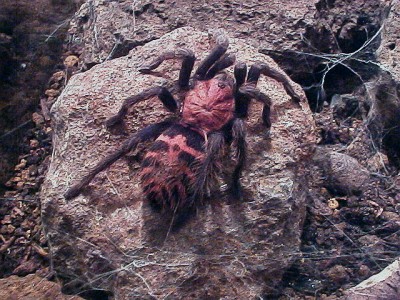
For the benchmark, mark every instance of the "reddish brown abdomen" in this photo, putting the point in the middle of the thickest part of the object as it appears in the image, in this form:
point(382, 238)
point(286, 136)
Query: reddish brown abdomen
point(168, 168)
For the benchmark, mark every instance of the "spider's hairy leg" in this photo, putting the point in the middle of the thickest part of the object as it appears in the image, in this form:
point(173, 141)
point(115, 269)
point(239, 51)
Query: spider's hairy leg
point(241, 101)
point(254, 74)
point(216, 53)
point(249, 90)
point(163, 94)
point(238, 132)
point(186, 68)
point(224, 62)
point(270, 72)
point(150, 132)
point(208, 167)
point(168, 100)
point(240, 72)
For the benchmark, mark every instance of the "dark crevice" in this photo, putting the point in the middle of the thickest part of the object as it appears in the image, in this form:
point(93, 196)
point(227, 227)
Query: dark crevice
point(314, 68)
point(350, 35)
point(392, 46)
point(95, 294)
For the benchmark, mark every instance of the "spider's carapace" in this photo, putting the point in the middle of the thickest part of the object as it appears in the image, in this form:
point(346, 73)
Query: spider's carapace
point(210, 104)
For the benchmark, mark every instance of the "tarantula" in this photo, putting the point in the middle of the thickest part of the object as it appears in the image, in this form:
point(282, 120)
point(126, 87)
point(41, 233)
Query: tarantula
point(181, 162)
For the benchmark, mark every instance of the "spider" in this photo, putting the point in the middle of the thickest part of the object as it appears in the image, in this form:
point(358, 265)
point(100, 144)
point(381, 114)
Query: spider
point(182, 161)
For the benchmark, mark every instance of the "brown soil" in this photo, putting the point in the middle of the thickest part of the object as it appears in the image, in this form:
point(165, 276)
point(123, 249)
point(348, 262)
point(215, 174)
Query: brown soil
point(31, 42)
point(347, 237)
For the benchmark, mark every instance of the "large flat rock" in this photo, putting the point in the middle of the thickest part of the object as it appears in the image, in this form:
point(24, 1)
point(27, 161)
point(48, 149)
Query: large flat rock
point(109, 238)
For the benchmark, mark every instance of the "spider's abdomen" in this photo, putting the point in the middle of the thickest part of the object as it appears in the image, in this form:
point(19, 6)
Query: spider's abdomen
point(168, 168)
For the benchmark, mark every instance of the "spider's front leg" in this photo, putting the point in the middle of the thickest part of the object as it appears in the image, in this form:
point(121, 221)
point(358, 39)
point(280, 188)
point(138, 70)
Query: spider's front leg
point(148, 133)
point(215, 61)
point(262, 68)
point(164, 95)
point(188, 59)
point(246, 90)
point(251, 92)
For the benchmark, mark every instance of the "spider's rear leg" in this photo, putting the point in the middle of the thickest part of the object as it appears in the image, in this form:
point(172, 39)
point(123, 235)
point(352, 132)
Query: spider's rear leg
point(207, 170)
point(235, 132)
point(148, 133)
point(163, 94)
point(238, 132)
point(186, 68)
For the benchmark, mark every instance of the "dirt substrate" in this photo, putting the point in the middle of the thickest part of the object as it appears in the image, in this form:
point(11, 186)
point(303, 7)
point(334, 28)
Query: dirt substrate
point(346, 238)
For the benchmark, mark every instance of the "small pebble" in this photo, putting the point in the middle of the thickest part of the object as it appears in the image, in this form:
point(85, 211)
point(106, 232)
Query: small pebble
point(52, 93)
point(71, 61)
point(37, 119)
point(333, 203)
point(33, 143)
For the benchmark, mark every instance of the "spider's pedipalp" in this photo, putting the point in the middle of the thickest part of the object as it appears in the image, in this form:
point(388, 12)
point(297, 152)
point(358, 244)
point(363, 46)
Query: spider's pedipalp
point(148, 133)
point(216, 53)
point(224, 62)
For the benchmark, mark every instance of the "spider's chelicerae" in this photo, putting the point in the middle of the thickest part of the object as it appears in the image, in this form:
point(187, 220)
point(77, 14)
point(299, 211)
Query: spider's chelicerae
point(182, 160)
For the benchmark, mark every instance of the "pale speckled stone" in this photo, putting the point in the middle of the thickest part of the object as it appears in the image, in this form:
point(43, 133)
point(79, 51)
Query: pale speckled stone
point(228, 250)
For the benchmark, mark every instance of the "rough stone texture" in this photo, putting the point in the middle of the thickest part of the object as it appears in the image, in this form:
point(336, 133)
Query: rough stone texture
point(109, 238)
point(31, 287)
point(343, 173)
point(382, 286)
point(110, 28)
point(385, 94)
point(385, 285)
point(388, 54)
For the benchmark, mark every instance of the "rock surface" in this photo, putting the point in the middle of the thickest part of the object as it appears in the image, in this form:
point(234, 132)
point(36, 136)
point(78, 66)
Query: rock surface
point(109, 29)
point(388, 54)
point(31, 287)
point(344, 174)
point(386, 92)
point(385, 285)
point(382, 286)
point(108, 238)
